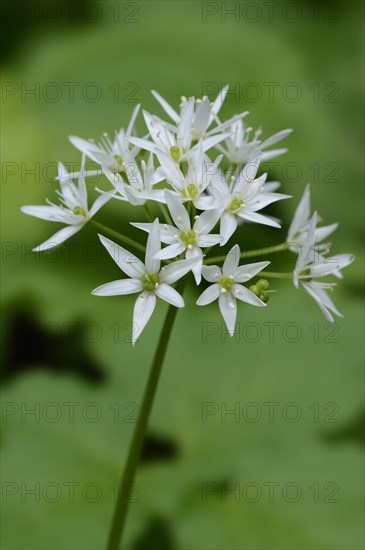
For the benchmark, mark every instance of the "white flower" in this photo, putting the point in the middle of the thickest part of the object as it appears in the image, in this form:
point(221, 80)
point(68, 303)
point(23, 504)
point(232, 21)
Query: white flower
point(300, 224)
point(147, 278)
point(183, 237)
point(73, 211)
point(165, 138)
point(311, 264)
point(200, 172)
point(243, 198)
point(140, 186)
point(238, 149)
point(196, 116)
point(227, 288)
point(110, 154)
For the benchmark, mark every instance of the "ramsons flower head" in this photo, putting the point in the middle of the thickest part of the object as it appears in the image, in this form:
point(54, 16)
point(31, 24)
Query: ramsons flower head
point(147, 278)
point(73, 209)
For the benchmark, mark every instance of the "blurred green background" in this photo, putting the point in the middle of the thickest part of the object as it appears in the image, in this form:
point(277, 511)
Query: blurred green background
point(293, 450)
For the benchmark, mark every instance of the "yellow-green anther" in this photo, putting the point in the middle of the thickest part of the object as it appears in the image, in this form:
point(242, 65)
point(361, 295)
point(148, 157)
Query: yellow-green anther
point(189, 238)
point(235, 204)
point(227, 283)
point(79, 211)
point(149, 281)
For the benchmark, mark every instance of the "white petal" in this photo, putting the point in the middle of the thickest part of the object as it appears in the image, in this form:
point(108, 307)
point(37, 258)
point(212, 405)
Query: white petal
point(178, 211)
point(209, 295)
point(126, 261)
point(219, 100)
point(170, 295)
point(134, 198)
point(99, 203)
point(212, 273)
point(271, 186)
point(301, 215)
point(58, 238)
point(82, 185)
point(250, 170)
point(170, 251)
point(166, 107)
point(228, 226)
point(167, 232)
point(83, 145)
point(116, 288)
point(228, 309)
point(246, 272)
point(144, 144)
point(317, 292)
point(242, 293)
point(196, 252)
point(143, 309)
point(211, 141)
point(206, 203)
point(207, 220)
point(307, 248)
point(322, 233)
point(49, 213)
point(268, 155)
point(232, 260)
point(332, 264)
point(258, 218)
point(184, 136)
point(152, 249)
point(209, 240)
point(133, 120)
point(202, 116)
point(174, 271)
point(275, 138)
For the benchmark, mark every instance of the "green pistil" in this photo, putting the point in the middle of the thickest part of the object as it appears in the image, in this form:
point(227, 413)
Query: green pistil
point(175, 153)
point(119, 159)
point(149, 281)
point(191, 191)
point(227, 283)
point(235, 204)
point(189, 238)
point(117, 168)
point(78, 211)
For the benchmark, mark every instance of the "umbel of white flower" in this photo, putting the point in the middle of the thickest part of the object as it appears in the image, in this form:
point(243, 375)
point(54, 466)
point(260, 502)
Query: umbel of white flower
point(198, 180)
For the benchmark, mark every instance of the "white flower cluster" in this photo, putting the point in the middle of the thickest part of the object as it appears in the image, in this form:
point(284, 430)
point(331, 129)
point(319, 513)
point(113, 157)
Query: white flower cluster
point(203, 199)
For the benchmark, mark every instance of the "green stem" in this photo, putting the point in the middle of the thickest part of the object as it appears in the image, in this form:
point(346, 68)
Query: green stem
point(276, 275)
point(121, 508)
point(165, 213)
point(148, 213)
point(116, 235)
point(251, 253)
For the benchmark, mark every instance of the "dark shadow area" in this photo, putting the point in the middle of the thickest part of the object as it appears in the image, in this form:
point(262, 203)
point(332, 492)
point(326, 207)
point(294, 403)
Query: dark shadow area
point(158, 448)
point(28, 343)
point(352, 432)
point(22, 19)
point(156, 536)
